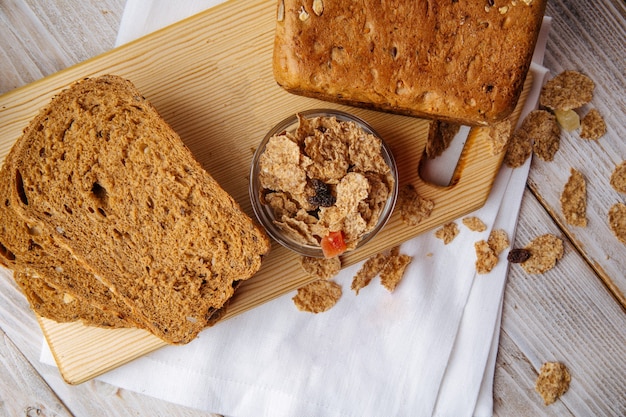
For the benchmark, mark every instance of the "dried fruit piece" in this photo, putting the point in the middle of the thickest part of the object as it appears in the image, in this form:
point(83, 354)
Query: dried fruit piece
point(593, 126)
point(317, 296)
point(447, 232)
point(322, 268)
point(393, 271)
point(545, 251)
point(618, 178)
point(413, 208)
point(518, 255)
point(552, 382)
point(486, 258)
point(333, 244)
point(617, 221)
point(323, 196)
point(574, 199)
point(567, 119)
point(368, 271)
point(568, 90)
point(474, 224)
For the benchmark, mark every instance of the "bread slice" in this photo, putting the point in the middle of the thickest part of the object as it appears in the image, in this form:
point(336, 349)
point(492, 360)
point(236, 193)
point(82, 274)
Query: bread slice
point(460, 61)
point(115, 186)
point(46, 278)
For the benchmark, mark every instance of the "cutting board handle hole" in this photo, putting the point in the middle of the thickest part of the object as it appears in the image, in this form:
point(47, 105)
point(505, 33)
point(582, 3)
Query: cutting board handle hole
point(440, 170)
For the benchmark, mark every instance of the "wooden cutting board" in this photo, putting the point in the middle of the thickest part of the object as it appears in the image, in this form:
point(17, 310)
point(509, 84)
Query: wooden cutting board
point(210, 77)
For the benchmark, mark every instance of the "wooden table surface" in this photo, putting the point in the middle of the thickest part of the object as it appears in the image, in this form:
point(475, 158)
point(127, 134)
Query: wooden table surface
point(574, 313)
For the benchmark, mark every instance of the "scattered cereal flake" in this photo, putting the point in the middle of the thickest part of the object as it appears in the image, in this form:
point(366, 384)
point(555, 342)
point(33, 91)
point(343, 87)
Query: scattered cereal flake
point(519, 149)
point(617, 221)
point(568, 90)
point(474, 224)
point(440, 135)
point(413, 208)
point(447, 232)
point(593, 125)
point(574, 199)
point(498, 137)
point(498, 241)
point(393, 271)
point(552, 382)
point(322, 268)
point(545, 133)
point(618, 178)
point(545, 251)
point(317, 296)
point(486, 258)
point(368, 271)
point(518, 255)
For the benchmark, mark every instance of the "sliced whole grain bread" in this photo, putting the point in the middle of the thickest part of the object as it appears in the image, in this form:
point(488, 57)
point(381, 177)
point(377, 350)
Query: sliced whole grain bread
point(111, 182)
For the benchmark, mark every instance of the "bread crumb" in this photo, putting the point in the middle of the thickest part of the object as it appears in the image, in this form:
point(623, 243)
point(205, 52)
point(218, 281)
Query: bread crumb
point(498, 241)
point(574, 199)
point(618, 178)
point(413, 208)
point(393, 271)
point(321, 268)
point(592, 126)
point(368, 271)
point(617, 221)
point(498, 137)
point(568, 90)
point(545, 133)
point(519, 149)
point(474, 224)
point(440, 135)
point(552, 382)
point(447, 232)
point(545, 251)
point(317, 296)
point(486, 259)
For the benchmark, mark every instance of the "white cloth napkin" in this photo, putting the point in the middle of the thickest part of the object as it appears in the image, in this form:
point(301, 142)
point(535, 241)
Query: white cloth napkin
point(428, 348)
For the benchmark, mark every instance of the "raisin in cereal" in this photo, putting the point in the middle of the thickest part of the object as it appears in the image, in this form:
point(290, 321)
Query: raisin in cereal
point(328, 176)
point(317, 296)
point(447, 232)
point(413, 208)
point(552, 382)
point(568, 90)
point(592, 125)
point(574, 199)
point(618, 178)
point(321, 268)
point(545, 251)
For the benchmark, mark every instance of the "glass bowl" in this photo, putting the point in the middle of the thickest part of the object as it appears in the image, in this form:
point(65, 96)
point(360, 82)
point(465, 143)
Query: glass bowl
point(265, 213)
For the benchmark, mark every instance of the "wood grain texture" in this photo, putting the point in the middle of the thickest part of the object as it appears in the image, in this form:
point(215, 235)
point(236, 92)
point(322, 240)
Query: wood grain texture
point(210, 58)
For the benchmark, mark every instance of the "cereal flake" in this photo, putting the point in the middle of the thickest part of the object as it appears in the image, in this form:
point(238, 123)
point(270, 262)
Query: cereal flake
point(544, 132)
point(568, 90)
point(617, 221)
point(618, 178)
point(317, 296)
point(574, 199)
point(447, 232)
point(474, 224)
point(440, 135)
point(592, 126)
point(552, 382)
point(370, 269)
point(486, 259)
point(393, 271)
point(545, 251)
point(321, 268)
point(413, 208)
point(498, 136)
point(498, 241)
point(519, 149)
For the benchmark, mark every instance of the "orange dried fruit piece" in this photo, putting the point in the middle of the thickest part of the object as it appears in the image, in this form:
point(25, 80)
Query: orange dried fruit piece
point(333, 244)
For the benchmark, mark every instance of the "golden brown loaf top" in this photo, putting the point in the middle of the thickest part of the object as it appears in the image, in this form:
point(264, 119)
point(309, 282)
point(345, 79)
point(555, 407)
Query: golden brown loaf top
point(115, 186)
point(461, 61)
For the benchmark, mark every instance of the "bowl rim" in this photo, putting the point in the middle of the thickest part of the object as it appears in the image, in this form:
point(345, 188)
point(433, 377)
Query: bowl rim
point(266, 219)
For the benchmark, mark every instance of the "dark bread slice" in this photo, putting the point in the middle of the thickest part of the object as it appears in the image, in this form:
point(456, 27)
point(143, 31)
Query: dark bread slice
point(40, 274)
point(460, 61)
point(115, 186)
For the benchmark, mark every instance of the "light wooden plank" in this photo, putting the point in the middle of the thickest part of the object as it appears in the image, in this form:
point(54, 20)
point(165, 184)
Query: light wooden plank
point(210, 77)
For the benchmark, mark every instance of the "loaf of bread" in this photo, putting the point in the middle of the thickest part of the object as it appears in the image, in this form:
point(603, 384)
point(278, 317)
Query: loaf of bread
point(110, 183)
point(460, 61)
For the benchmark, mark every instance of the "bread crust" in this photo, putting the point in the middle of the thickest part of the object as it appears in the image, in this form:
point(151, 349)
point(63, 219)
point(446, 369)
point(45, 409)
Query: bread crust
point(464, 62)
